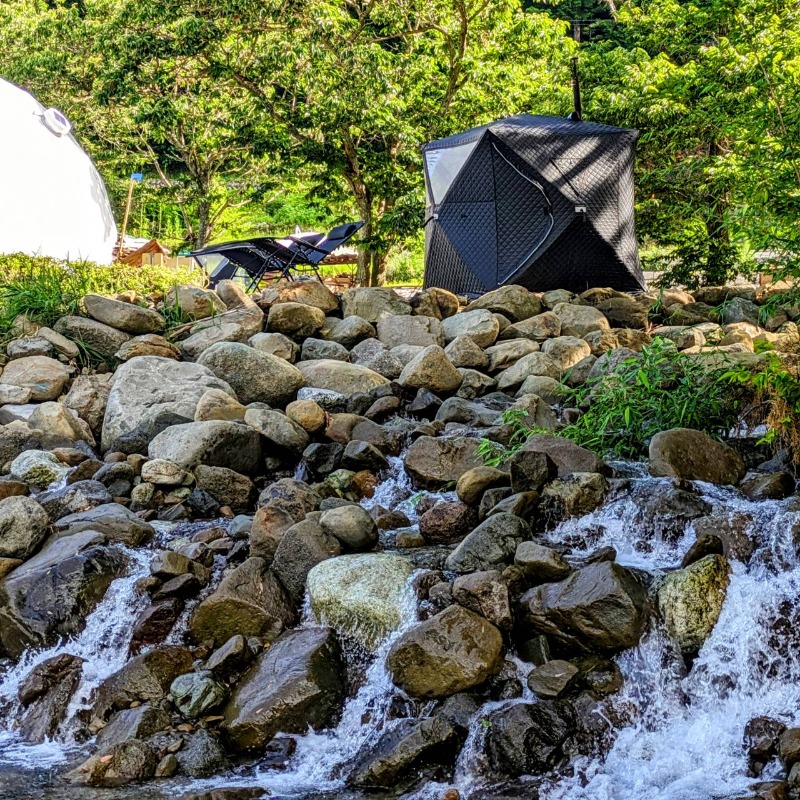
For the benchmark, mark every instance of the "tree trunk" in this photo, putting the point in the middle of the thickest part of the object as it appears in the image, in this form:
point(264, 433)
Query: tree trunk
point(203, 223)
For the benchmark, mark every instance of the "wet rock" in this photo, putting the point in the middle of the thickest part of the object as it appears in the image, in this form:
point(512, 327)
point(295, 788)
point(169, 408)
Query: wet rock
point(195, 694)
point(411, 744)
point(387, 439)
point(486, 594)
point(296, 320)
point(490, 546)
point(51, 594)
point(148, 386)
point(364, 596)
point(704, 545)
point(38, 468)
point(45, 693)
point(23, 526)
point(144, 679)
point(363, 455)
point(520, 504)
point(540, 564)
point(449, 653)
point(127, 762)
point(201, 755)
point(293, 496)
point(294, 684)
point(373, 303)
point(114, 521)
point(761, 737)
point(268, 527)
point(600, 607)
point(351, 525)
point(553, 679)
point(133, 723)
point(775, 486)
point(732, 529)
point(249, 601)
point(567, 456)
point(255, 376)
point(479, 325)
point(573, 496)
point(433, 462)
point(528, 738)
point(215, 443)
point(154, 623)
point(340, 376)
point(530, 470)
point(447, 522)
point(690, 601)
point(462, 411)
point(692, 455)
point(474, 482)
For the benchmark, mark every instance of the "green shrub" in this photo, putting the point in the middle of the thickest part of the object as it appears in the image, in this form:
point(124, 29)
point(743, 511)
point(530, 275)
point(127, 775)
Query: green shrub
point(45, 289)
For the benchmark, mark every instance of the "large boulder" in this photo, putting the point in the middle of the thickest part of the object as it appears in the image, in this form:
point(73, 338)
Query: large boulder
point(491, 545)
point(148, 386)
point(23, 526)
point(39, 377)
point(94, 336)
point(480, 325)
point(215, 443)
point(537, 329)
point(364, 596)
point(194, 302)
point(310, 293)
point(236, 325)
point(339, 376)
point(127, 317)
point(278, 429)
point(249, 601)
point(692, 455)
point(38, 468)
point(88, 397)
point(255, 376)
point(117, 523)
point(600, 607)
point(295, 684)
point(454, 651)
point(296, 320)
point(539, 364)
point(50, 595)
point(514, 302)
point(433, 462)
point(431, 369)
point(418, 330)
point(566, 455)
point(580, 320)
point(373, 303)
point(120, 764)
point(690, 601)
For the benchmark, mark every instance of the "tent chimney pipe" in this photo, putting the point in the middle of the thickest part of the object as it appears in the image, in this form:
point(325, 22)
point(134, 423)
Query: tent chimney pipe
point(576, 92)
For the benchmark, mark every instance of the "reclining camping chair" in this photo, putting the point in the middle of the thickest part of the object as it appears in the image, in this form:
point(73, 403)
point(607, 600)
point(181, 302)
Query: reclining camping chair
point(274, 257)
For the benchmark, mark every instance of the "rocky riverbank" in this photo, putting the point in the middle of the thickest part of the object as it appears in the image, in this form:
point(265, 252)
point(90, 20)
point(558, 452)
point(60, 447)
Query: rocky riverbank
point(263, 553)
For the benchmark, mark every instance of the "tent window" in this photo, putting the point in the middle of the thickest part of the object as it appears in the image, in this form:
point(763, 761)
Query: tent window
point(443, 166)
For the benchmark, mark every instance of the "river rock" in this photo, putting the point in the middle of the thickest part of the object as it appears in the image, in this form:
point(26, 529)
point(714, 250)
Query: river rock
point(149, 344)
point(574, 496)
point(538, 328)
point(580, 320)
point(528, 738)
point(227, 487)
point(38, 468)
point(540, 564)
point(322, 348)
point(514, 302)
point(692, 455)
point(310, 293)
point(58, 420)
point(479, 325)
point(23, 526)
point(449, 653)
point(568, 351)
point(254, 375)
point(249, 601)
point(490, 546)
point(147, 386)
point(566, 455)
point(474, 482)
point(431, 369)
point(433, 462)
point(447, 522)
point(348, 331)
point(600, 607)
point(302, 547)
point(339, 376)
point(296, 320)
point(293, 496)
point(120, 764)
point(485, 593)
point(133, 723)
point(416, 330)
point(351, 525)
point(552, 680)
point(463, 352)
point(45, 693)
point(44, 378)
point(194, 302)
point(88, 397)
point(365, 596)
point(195, 694)
point(127, 317)
point(294, 684)
point(376, 356)
point(114, 521)
point(278, 429)
point(373, 303)
point(540, 364)
point(96, 337)
point(690, 601)
point(215, 443)
point(51, 594)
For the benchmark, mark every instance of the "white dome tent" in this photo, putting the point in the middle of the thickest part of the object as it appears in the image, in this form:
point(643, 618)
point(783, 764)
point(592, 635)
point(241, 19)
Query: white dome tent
point(52, 199)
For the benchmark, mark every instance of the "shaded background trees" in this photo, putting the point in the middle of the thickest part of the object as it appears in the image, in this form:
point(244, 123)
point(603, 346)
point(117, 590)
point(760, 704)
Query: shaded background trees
point(248, 116)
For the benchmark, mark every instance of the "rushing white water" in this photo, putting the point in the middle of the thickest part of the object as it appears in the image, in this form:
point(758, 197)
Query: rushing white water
point(103, 644)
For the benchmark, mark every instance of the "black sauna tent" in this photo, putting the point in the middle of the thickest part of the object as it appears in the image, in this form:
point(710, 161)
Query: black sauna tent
point(543, 202)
